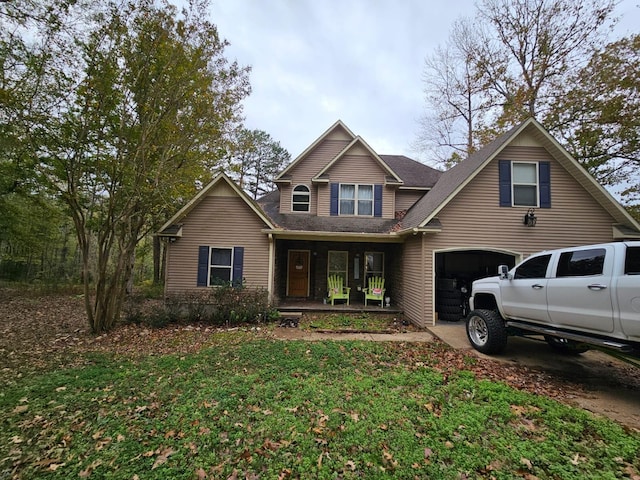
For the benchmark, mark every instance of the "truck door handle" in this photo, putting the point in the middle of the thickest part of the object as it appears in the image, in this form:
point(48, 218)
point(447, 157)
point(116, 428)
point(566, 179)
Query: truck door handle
point(596, 286)
point(537, 286)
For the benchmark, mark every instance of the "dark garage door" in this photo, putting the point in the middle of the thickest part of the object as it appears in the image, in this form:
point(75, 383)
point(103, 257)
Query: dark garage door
point(455, 271)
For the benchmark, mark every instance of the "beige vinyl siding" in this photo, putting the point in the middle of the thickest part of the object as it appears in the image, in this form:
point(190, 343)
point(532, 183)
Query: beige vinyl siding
point(357, 169)
point(474, 219)
point(414, 280)
point(308, 168)
point(222, 221)
point(406, 198)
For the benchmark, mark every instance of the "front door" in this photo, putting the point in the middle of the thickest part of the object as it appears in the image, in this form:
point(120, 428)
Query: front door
point(298, 273)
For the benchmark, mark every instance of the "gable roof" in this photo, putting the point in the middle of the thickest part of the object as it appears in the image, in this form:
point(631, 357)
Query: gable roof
point(391, 175)
point(414, 175)
point(454, 180)
point(300, 157)
point(173, 228)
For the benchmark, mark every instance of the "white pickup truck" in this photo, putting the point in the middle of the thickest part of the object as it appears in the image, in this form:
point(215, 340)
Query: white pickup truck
point(576, 298)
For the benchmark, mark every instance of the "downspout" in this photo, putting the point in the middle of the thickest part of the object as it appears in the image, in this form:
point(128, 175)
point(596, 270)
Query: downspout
point(422, 300)
point(271, 268)
point(433, 288)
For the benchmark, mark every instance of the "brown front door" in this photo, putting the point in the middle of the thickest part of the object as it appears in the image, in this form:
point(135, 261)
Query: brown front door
point(298, 273)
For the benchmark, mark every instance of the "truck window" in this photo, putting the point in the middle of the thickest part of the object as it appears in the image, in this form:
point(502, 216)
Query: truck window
point(581, 263)
point(632, 262)
point(533, 268)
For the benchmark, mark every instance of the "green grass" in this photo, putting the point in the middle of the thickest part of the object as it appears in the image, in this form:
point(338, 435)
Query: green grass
point(248, 408)
point(351, 322)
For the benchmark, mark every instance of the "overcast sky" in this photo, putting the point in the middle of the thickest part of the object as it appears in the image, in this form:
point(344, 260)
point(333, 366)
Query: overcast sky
point(360, 61)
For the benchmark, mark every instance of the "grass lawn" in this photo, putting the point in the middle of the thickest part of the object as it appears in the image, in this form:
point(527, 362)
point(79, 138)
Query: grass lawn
point(248, 407)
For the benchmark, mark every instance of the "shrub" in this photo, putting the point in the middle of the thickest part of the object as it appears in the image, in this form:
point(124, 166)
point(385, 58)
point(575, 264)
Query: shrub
point(223, 305)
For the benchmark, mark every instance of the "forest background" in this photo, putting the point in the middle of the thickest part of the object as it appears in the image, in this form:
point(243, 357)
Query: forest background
point(114, 114)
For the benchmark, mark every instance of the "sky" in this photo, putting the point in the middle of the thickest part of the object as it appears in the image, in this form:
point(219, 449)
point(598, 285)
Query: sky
point(360, 61)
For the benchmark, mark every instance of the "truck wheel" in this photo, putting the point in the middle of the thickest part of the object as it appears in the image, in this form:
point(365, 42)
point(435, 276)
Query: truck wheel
point(486, 331)
point(562, 345)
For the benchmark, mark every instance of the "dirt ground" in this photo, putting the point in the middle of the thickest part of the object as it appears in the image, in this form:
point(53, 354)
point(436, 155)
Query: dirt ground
point(51, 332)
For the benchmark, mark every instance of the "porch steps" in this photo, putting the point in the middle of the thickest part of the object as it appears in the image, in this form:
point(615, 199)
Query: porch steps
point(290, 319)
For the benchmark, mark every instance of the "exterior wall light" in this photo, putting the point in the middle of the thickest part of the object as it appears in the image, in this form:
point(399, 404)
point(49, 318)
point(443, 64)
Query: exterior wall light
point(530, 218)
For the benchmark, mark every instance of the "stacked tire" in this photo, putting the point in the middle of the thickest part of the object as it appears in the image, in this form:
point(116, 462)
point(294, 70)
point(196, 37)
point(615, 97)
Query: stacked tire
point(449, 304)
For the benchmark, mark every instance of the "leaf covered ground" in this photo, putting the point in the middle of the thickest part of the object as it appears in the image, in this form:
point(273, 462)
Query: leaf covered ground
point(191, 401)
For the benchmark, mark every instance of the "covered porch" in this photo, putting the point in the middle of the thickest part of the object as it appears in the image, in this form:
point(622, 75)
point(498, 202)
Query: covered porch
point(302, 268)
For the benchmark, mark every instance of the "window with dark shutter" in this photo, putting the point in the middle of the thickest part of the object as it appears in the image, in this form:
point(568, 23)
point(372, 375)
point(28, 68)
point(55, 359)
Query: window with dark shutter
point(524, 184)
point(220, 266)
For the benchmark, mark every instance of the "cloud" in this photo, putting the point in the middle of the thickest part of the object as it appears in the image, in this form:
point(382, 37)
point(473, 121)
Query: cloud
point(316, 61)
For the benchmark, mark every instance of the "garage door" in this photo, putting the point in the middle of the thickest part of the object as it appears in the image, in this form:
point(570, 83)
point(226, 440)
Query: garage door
point(455, 271)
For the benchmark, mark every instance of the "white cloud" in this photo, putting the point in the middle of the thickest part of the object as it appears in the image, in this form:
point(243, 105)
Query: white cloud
point(316, 61)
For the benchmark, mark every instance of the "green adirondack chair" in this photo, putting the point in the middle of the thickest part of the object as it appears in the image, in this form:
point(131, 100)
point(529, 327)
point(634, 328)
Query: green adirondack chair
point(336, 289)
point(375, 290)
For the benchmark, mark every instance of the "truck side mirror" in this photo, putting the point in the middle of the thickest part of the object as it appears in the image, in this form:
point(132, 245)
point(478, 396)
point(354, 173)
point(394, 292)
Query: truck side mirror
point(503, 272)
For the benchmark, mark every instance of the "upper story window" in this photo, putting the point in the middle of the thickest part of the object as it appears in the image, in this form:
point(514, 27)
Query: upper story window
point(301, 199)
point(356, 199)
point(525, 184)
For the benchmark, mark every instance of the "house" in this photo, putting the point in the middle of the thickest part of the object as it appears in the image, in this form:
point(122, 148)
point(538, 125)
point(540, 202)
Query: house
point(341, 208)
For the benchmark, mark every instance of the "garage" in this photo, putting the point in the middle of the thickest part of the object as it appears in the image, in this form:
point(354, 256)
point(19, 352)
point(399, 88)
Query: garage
point(456, 270)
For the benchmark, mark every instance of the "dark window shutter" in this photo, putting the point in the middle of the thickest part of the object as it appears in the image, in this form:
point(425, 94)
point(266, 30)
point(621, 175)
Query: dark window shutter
point(377, 200)
point(504, 172)
point(203, 265)
point(334, 198)
point(544, 173)
point(238, 260)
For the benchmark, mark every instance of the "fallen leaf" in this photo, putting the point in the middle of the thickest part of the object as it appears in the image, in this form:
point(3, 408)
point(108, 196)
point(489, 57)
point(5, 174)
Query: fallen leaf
point(527, 463)
point(21, 409)
point(201, 474)
point(162, 458)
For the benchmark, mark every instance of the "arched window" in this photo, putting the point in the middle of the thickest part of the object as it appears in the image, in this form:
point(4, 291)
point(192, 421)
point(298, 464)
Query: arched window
point(301, 199)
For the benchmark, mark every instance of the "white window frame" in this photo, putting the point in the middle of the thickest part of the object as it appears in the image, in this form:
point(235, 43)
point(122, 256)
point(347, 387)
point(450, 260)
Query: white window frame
point(212, 266)
point(307, 203)
point(373, 273)
point(343, 273)
point(515, 184)
point(356, 199)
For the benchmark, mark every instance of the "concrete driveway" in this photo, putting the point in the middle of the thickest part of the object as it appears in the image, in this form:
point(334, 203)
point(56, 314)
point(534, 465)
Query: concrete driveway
point(612, 387)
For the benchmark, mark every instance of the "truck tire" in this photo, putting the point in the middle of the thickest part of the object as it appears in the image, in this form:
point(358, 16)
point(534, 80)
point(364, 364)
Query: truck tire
point(564, 346)
point(486, 331)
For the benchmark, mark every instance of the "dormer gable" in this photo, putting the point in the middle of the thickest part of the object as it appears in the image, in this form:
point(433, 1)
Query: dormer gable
point(358, 148)
point(315, 157)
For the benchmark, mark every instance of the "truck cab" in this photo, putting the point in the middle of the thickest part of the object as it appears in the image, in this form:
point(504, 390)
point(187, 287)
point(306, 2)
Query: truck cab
point(577, 297)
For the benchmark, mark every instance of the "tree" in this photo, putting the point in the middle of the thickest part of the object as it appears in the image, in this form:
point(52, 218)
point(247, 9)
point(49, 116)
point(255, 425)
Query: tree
point(456, 98)
point(34, 239)
point(598, 120)
point(521, 55)
point(151, 102)
point(255, 160)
